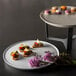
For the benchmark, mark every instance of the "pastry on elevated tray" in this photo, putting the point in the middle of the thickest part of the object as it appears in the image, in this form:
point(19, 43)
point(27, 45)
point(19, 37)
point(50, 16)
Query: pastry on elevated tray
point(59, 10)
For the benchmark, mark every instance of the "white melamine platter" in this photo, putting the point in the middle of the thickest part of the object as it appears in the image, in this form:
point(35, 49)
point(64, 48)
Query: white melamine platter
point(22, 63)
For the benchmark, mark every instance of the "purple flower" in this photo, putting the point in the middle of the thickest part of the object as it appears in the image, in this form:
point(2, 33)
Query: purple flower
point(47, 57)
point(35, 62)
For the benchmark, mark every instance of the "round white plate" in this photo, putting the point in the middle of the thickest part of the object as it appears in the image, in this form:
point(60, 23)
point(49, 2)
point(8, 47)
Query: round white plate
point(22, 63)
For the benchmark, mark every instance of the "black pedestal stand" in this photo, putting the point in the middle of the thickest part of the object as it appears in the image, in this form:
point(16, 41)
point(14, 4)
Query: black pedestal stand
point(69, 39)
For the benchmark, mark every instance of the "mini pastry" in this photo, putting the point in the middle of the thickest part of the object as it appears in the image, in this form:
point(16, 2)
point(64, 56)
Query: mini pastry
point(67, 12)
point(37, 44)
point(47, 12)
point(58, 12)
point(73, 9)
point(53, 11)
point(15, 55)
point(54, 8)
point(63, 7)
point(22, 47)
point(27, 52)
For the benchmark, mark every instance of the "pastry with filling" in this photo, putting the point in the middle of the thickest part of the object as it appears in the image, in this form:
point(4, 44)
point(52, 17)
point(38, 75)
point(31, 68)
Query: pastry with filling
point(22, 47)
point(27, 52)
point(15, 55)
point(37, 44)
point(73, 9)
point(63, 7)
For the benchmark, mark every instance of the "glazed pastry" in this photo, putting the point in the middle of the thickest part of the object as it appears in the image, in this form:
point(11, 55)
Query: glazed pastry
point(58, 12)
point(47, 12)
point(63, 7)
point(15, 55)
point(37, 44)
point(67, 12)
point(27, 52)
point(54, 8)
point(73, 9)
point(53, 11)
point(22, 47)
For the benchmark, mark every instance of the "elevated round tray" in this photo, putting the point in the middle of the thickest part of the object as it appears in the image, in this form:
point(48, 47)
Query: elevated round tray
point(62, 20)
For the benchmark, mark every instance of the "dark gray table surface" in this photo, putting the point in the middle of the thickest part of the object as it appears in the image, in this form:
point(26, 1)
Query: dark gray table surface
point(19, 21)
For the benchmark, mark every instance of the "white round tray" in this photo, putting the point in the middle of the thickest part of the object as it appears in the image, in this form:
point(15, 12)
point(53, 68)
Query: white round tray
point(22, 63)
point(62, 20)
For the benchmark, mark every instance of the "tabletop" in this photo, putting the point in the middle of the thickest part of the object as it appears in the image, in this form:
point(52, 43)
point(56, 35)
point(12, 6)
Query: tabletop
point(19, 21)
